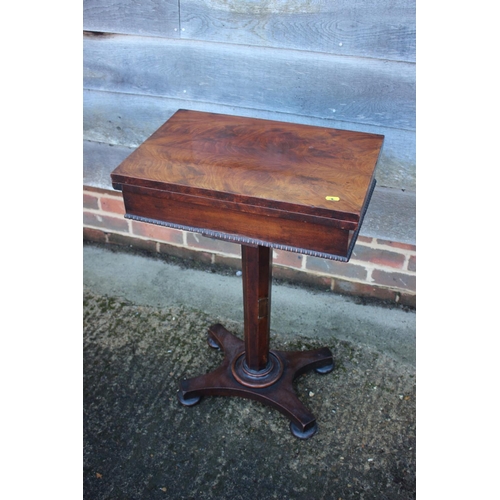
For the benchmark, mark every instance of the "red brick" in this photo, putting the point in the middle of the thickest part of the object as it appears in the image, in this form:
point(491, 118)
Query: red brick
point(408, 299)
point(395, 280)
point(378, 256)
point(185, 253)
point(378, 292)
point(90, 201)
point(336, 268)
point(95, 235)
point(93, 189)
point(114, 205)
point(364, 290)
point(157, 232)
point(296, 276)
point(105, 222)
point(131, 242)
point(289, 259)
point(412, 264)
point(212, 245)
point(395, 244)
point(364, 239)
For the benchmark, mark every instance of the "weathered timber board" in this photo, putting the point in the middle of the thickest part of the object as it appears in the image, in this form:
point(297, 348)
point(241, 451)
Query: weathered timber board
point(383, 29)
point(358, 90)
point(141, 17)
point(128, 120)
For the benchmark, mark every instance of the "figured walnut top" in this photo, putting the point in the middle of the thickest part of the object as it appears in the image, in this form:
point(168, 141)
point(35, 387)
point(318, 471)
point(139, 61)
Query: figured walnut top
point(265, 163)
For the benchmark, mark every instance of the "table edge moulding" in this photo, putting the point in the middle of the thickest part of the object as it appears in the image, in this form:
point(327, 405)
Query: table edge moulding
point(262, 184)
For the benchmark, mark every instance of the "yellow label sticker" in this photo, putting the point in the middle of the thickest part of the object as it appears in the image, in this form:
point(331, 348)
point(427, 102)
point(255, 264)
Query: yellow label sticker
point(332, 198)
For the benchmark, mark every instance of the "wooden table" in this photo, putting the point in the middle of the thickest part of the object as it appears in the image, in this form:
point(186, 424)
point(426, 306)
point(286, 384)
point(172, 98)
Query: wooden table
point(263, 184)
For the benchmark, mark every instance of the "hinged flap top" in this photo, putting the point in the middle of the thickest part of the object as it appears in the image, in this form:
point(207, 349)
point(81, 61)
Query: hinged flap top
point(304, 169)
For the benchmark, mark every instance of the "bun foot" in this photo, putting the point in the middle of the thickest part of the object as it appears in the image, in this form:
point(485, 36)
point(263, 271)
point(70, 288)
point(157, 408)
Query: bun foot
point(187, 401)
point(323, 370)
point(303, 434)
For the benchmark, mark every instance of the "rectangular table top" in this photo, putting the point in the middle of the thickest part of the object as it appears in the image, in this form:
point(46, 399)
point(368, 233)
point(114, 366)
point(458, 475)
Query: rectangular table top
point(269, 168)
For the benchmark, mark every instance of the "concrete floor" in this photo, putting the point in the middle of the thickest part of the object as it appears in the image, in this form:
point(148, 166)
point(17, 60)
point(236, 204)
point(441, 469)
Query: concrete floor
point(145, 323)
point(295, 310)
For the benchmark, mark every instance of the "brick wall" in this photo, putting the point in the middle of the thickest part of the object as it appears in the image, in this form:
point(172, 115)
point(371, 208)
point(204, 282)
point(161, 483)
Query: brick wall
point(378, 268)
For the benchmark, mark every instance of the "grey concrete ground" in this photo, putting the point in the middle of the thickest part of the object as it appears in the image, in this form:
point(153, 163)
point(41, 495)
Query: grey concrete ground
point(145, 323)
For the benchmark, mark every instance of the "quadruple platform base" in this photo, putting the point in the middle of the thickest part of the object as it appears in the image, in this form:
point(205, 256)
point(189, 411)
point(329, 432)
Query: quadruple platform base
point(271, 386)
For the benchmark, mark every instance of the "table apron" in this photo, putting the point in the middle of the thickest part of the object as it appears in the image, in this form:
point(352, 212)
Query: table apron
point(307, 235)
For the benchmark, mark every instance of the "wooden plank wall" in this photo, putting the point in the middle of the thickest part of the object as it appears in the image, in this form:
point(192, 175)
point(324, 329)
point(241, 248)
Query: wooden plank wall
point(347, 64)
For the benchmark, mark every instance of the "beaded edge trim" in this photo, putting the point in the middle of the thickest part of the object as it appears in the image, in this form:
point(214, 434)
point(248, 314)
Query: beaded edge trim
point(234, 238)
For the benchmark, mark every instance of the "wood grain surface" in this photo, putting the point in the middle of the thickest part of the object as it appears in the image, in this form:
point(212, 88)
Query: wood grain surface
point(349, 89)
point(265, 163)
point(383, 29)
point(139, 17)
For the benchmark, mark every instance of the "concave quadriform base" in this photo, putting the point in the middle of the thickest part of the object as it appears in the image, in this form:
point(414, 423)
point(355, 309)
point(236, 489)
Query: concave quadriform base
point(266, 185)
point(271, 386)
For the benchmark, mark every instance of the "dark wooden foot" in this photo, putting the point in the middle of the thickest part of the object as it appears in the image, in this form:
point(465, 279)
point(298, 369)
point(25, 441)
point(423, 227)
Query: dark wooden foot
point(271, 385)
